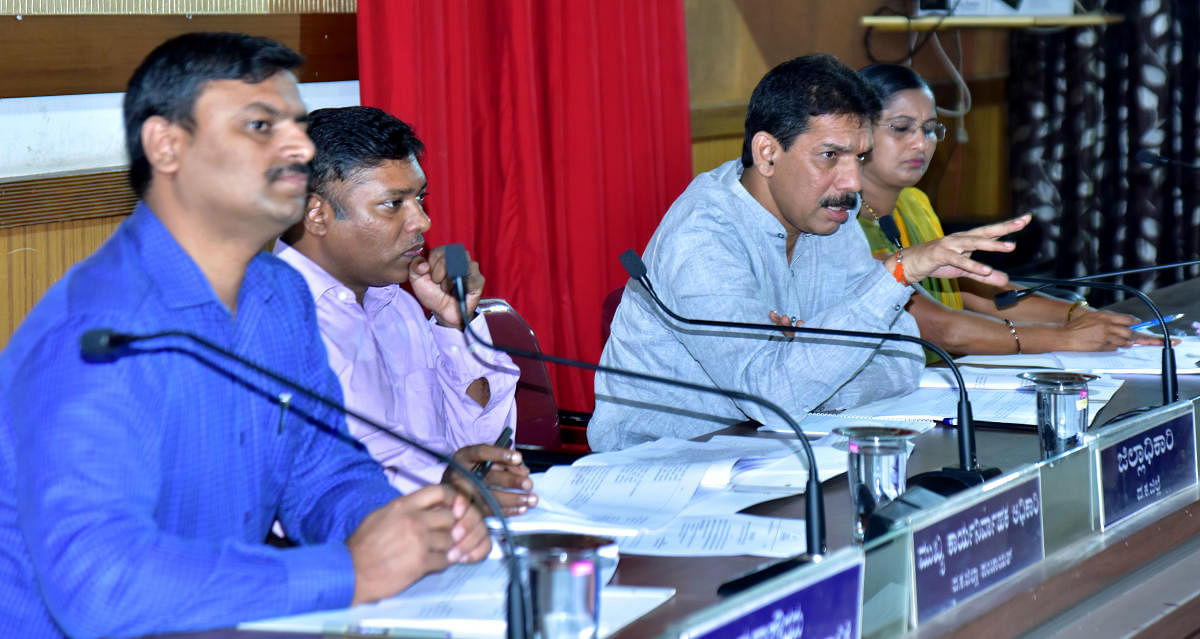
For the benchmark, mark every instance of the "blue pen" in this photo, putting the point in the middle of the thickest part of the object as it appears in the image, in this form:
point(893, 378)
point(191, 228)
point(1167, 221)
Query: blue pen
point(1149, 323)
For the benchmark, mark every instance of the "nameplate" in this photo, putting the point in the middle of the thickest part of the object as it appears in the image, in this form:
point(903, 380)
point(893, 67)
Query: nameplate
point(1145, 468)
point(828, 606)
point(976, 547)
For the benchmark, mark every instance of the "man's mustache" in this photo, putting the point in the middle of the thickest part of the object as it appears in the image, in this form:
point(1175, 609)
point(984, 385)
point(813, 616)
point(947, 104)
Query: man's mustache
point(279, 172)
point(848, 201)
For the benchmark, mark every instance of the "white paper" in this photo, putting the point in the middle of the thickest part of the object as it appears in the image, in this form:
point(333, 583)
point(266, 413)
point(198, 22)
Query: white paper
point(718, 459)
point(723, 535)
point(714, 503)
point(546, 517)
point(975, 378)
point(645, 495)
point(1131, 360)
point(680, 450)
point(1011, 406)
point(787, 471)
point(985, 379)
point(823, 424)
point(574, 499)
point(1136, 359)
point(659, 507)
point(464, 601)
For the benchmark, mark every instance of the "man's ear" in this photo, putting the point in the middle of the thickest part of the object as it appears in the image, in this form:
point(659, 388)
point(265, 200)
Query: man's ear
point(763, 149)
point(162, 142)
point(318, 214)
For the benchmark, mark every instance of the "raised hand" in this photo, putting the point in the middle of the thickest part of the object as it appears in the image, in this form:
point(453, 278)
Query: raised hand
point(435, 291)
point(950, 256)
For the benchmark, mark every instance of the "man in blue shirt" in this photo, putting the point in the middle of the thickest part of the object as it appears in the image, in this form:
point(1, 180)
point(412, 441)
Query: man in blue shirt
point(135, 493)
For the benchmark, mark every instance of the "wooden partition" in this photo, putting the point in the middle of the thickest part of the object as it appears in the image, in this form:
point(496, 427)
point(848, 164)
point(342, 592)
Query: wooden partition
point(48, 223)
point(37, 255)
point(731, 44)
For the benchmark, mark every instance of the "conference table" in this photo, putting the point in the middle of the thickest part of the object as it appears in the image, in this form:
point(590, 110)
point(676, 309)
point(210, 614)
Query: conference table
point(1137, 579)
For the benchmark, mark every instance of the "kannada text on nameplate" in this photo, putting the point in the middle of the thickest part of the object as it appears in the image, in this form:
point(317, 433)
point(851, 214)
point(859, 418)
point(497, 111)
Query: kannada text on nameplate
point(970, 550)
point(1145, 468)
point(826, 609)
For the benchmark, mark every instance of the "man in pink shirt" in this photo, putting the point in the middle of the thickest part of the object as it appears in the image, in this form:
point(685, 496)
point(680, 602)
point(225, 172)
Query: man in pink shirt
point(363, 234)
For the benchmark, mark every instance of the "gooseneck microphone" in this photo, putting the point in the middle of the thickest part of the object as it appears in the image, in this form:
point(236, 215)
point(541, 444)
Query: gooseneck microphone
point(1150, 158)
point(969, 473)
point(1170, 384)
point(1008, 298)
point(814, 502)
point(104, 344)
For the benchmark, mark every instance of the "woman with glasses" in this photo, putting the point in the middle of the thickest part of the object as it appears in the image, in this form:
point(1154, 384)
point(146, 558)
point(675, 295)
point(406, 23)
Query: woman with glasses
point(958, 314)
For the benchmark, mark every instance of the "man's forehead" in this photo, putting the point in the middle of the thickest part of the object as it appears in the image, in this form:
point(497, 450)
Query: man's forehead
point(388, 176)
point(838, 123)
point(838, 131)
point(279, 92)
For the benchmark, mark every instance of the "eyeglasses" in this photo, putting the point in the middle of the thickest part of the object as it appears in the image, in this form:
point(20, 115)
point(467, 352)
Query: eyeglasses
point(904, 127)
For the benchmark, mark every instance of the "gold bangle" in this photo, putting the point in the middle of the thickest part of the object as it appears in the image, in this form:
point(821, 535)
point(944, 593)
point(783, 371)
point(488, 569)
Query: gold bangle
point(1013, 330)
point(1077, 305)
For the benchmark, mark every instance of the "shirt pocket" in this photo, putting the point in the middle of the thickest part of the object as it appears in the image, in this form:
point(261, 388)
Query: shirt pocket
point(419, 405)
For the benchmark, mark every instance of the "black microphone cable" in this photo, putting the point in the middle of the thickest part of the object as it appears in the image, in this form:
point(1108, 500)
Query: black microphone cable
point(457, 269)
point(1008, 298)
point(969, 472)
point(1170, 384)
point(105, 344)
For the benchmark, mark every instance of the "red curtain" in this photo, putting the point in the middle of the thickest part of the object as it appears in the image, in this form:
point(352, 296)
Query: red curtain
point(557, 134)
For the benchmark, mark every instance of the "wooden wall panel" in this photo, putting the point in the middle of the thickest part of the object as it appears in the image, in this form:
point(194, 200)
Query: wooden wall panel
point(63, 55)
point(329, 43)
point(64, 198)
point(732, 43)
point(34, 257)
point(710, 153)
point(970, 182)
point(48, 224)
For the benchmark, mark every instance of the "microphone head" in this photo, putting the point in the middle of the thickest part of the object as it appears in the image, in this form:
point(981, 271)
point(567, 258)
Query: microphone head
point(633, 264)
point(1150, 158)
point(456, 261)
point(98, 345)
point(1007, 298)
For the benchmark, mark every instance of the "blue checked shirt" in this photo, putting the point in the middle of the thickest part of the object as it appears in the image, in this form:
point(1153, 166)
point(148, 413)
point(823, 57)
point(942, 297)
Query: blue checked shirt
point(135, 495)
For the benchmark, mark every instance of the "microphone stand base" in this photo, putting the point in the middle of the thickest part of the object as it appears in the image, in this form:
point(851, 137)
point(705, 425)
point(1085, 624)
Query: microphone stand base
point(915, 499)
point(951, 480)
point(924, 491)
point(762, 573)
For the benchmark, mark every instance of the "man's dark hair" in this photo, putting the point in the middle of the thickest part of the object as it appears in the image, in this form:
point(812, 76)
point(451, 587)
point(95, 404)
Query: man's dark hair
point(889, 79)
point(170, 79)
point(352, 139)
point(804, 87)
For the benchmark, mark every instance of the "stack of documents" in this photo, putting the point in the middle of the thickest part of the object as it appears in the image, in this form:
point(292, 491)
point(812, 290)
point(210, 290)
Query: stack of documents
point(996, 394)
point(465, 600)
point(1131, 360)
point(669, 497)
point(678, 497)
point(822, 423)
